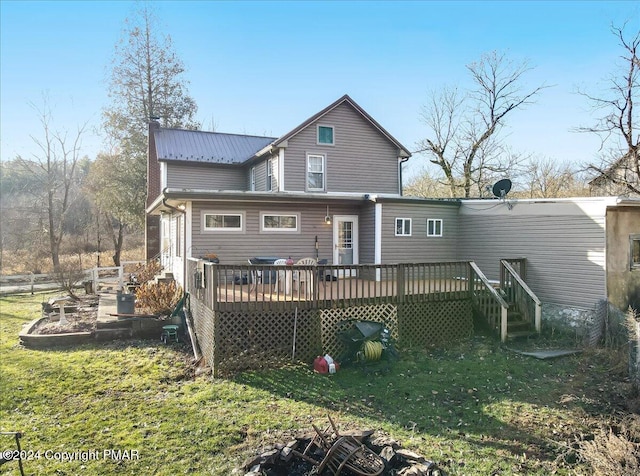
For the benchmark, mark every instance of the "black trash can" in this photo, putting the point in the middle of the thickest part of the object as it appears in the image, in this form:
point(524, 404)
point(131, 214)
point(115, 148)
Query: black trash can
point(126, 303)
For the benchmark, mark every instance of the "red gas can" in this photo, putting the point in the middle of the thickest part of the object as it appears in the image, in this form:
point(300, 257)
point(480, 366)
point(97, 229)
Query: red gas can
point(320, 365)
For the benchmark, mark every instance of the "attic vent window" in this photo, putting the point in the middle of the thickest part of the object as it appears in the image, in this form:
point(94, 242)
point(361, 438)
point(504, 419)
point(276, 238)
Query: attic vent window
point(325, 135)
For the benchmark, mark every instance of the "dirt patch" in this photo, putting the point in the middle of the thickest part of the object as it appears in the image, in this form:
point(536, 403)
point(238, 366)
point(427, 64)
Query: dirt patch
point(82, 318)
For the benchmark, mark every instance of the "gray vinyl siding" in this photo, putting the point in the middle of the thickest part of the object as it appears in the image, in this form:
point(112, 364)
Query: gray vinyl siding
point(565, 253)
point(237, 247)
point(205, 177)
point(261, 174)
point(419, 247)
point(361, 160)
point(366, 231)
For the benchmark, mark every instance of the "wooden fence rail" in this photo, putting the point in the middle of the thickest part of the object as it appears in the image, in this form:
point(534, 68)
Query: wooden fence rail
point(265, 286)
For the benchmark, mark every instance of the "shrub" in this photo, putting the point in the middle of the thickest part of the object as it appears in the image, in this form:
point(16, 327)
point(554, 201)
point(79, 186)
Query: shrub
point(158, 298)
point(616, 450)
point(147, 272)
point(69, 275)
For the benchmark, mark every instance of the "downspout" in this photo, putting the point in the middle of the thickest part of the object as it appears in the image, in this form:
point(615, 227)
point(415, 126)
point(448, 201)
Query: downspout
point(401, 160)
point(190, 330)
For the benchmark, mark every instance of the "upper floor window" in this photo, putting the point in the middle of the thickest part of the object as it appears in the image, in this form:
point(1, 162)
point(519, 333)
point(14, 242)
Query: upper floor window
point(252, 179)
point(222, 221)
point(269, 174)
point(434, 227)
point(315, 172)
point(634, 241)
point(279, 222)
point(403, 226)
point(325, 135)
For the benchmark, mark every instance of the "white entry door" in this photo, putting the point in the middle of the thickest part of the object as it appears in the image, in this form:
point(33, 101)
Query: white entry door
point(345, 242)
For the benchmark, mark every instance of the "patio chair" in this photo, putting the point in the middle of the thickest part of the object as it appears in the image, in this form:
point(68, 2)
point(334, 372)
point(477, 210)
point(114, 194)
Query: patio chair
point(281, 276)
point(305, 276)
point(255, 274)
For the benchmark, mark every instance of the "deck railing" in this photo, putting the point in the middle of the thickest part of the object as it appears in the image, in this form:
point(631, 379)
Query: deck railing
point(518, 293)
point(488, 301)
point(264, 286)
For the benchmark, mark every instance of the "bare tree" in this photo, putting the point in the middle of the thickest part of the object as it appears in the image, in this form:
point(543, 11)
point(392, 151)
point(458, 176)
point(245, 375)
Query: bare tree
point(619, 168)
point(548, 178)
point(55, 176)
point(427, 186)
point(463, 128)
point(112, 186)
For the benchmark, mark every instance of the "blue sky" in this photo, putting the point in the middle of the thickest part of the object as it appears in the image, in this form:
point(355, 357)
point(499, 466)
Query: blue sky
point(264, 67)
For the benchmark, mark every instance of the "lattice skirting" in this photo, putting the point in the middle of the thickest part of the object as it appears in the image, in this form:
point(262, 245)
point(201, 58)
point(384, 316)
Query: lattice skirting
point(434, 322)
point(232, 341)
point(335, 321)
point(256, 339)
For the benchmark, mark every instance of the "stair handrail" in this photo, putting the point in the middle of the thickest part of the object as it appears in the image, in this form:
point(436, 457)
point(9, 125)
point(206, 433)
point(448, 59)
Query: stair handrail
point(525, 287)
point(504, 306)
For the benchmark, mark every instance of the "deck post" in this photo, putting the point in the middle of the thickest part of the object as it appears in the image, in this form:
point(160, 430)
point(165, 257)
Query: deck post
point(400, 283)
point(214, 286)
point(503, 323)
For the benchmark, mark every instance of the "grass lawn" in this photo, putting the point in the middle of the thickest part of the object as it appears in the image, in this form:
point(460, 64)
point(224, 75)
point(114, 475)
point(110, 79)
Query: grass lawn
point(475, 408)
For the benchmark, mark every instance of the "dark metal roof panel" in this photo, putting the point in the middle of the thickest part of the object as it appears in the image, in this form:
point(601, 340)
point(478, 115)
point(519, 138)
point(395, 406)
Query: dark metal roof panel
point(207, 147)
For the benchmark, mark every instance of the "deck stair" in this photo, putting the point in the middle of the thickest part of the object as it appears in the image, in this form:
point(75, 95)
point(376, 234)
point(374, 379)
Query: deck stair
point(510, 307)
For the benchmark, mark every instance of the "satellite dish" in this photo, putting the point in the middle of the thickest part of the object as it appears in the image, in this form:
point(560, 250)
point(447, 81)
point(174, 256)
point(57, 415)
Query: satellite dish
point(501, 188)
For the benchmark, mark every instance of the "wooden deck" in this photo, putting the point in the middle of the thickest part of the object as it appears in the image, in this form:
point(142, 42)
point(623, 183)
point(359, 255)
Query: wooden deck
point(343, 288)
point(243, 287)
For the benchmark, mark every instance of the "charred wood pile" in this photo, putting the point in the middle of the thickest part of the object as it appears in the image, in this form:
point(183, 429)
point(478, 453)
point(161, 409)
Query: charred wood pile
point(330, 452)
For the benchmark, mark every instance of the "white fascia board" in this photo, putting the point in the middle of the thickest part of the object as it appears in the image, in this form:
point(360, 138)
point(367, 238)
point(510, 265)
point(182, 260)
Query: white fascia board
point(590, 206)
point(281, 187)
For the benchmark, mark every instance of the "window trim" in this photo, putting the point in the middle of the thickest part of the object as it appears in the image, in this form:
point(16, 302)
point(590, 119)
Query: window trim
point(404, 222)
point(435, 221)
point(264, 229)
point(324, 173)
point(206, 229)
point(333, 135)
point(634, 238)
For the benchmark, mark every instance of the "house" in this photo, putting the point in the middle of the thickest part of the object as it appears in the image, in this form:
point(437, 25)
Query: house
point(331, 188)
point(618, 178)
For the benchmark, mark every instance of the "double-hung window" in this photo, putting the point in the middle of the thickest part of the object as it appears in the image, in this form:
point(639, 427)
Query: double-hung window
point(252, 179)
point(316, 172)
point(269, 174)
point(403, 226)
point(434, 227)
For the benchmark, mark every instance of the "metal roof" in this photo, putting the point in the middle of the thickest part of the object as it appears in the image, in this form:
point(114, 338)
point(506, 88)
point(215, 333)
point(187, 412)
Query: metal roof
point(207, 147)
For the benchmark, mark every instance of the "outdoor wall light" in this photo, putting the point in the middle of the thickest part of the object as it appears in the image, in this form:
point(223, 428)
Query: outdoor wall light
point(327, 218)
